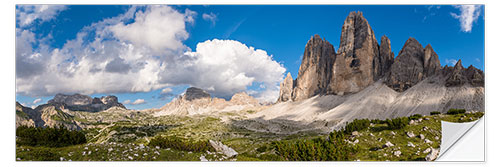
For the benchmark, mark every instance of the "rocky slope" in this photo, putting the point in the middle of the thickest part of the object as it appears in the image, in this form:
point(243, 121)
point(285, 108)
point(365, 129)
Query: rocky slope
point(23, 116)
point(60, 110)
point(197, 101)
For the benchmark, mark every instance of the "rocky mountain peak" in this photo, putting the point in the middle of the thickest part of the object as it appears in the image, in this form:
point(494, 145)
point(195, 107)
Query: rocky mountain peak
point(243, 98)
point(431, 61)
point(458, 66)
point(79, 102)
point(286, 88)
point(408, 67)
point(386, 58)
point(193, 93)
point(315, 70)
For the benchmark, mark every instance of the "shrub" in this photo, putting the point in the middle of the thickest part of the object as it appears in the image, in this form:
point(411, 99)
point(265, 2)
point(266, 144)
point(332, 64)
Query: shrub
point(50, 137)
point(335, 148)
point(397, 123)
point(415, 117)
point(356, 125)
point(180, 144)
point(435, 113)
point(454, 111)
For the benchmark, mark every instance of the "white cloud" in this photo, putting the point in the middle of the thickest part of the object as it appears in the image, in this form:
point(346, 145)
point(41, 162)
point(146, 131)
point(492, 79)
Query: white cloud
point(159, 28)
point(477, 60)
point(224, 67)
point(451, 62)
point(468, 15)
point(166, 90)
point(27, 14)
point(98, 62)
point(210, 17)
point(146, 54)
point(126, 102)
point(138, 101)
point(37, 101)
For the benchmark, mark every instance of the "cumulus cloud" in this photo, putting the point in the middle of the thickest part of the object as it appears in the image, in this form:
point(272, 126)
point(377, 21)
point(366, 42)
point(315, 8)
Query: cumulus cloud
point(451, 62)
point(97, 61)
point(211, 17)
point(37, 101)
point(27, 14)
point(468, 15)
point(138, 101)
point(224, 67)
point(139, 51)
point(159, 28)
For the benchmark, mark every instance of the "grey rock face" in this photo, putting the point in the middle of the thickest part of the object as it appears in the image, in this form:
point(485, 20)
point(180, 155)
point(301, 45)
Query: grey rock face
point(475, 76)
point(457, 76)
point(358, 54)
point(314, 72)
point(286, 89)
point(195, 93)
point(385, 60)
point(431, 61)
point(78, 102)
point(408, 68)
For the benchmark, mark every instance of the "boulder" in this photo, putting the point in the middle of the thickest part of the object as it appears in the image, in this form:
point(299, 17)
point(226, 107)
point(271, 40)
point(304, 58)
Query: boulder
point(410, 134)
point(410, 144)
point(221, 148)
point(388, 144)
point(397, 153)
point(432, 155)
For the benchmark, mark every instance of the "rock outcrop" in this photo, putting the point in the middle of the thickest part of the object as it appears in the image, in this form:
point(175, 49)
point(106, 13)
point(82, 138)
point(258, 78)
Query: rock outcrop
point(23, 116)
point(193, 93)
point(315, 70)
point(431, 61)
point(286, 89)
point(46, 115)
point(197, 101)
point(408, 68)
point(458, 75)
point(384, 62)
point(78, 102)
point(357, 61)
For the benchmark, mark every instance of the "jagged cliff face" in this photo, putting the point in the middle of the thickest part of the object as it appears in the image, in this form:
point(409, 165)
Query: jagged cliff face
point(286, 88)
point(413, 64)
point(78, 102)
point(315, 70)
point(361, 61)
point(357, 61)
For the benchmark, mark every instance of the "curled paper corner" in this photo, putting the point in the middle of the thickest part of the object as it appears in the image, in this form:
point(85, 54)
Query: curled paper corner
point(462, 141)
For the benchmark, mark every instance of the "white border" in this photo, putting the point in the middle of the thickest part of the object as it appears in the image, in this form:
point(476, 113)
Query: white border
point(7, 71)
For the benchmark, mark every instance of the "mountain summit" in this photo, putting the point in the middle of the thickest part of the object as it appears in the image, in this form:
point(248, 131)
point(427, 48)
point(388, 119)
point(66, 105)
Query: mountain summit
point(361, 61)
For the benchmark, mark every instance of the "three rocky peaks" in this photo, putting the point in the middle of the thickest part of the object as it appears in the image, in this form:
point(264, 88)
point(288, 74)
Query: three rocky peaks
point(361, 61)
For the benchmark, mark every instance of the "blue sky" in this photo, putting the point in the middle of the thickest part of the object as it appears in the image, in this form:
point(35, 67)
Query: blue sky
point(72, 49)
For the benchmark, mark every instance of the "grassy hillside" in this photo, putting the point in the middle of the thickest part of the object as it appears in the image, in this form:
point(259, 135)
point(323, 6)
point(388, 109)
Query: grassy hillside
point(127, 138)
